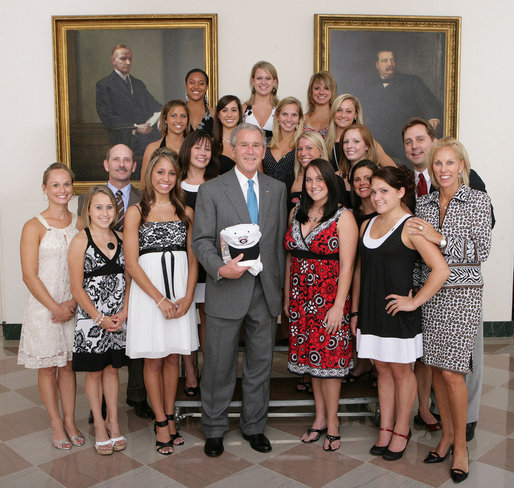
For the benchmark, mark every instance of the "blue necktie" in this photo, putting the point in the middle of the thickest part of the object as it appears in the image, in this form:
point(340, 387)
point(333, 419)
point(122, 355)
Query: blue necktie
point(251, 203)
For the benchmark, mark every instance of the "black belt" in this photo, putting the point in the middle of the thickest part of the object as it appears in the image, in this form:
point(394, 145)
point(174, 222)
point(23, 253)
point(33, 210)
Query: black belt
point(165, 250)
point(298, 253)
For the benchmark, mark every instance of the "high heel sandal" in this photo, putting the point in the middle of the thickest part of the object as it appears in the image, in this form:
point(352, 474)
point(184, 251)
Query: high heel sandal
point(395, 455)
point(418, 420)
point(459, 475)
point(379, 450)
point(64, 445)
point(104, 452)
point(177, 434)
point(159, 444)
point(118, 447)
point(192, 391)
point(351, 378)
point(77, 440)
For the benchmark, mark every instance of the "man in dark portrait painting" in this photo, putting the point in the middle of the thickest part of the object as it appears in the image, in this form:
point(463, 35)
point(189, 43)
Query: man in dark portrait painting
point(391, 99)
point(119, 164)
point(239, 294)
point(124, 105)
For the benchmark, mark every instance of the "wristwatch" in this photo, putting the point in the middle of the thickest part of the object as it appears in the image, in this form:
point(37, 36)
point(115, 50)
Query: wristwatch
point(443, 242)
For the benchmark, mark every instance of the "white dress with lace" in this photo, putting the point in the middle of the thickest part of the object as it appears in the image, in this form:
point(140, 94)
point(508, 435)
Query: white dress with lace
point(43, 343)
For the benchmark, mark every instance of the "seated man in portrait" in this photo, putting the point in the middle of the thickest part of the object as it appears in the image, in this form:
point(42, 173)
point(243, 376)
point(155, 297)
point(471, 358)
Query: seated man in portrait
point(391, 98)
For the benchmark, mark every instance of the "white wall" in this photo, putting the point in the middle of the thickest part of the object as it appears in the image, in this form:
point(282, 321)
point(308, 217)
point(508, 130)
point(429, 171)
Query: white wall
point(281, 32)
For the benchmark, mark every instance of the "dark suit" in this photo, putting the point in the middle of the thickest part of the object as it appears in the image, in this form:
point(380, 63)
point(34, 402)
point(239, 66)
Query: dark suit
point(387, 109)
point(254, 301)
point(119, 110)
point(136, 391)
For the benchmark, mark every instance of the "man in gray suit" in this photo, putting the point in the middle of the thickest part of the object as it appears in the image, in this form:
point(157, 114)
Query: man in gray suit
point(119, 164)
point(235, 296)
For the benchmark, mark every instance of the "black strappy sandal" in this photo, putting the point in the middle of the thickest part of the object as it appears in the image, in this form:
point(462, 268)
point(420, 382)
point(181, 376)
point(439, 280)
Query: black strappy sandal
point(177, 434)
point(159, 444)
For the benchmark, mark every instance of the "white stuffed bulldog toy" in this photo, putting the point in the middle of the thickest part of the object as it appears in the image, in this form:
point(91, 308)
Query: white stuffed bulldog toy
point(242, 238)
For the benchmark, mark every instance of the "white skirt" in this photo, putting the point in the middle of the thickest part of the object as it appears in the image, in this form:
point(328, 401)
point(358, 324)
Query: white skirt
point(149, 334)
point(389, 349)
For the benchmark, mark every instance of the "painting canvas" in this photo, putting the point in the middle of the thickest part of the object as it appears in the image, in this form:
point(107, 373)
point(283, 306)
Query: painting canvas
point(163, 49)
point(398, 67)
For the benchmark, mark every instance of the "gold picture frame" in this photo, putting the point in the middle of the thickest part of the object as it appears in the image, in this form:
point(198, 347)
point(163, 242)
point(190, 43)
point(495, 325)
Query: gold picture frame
point(165, 48)
point(427, 48)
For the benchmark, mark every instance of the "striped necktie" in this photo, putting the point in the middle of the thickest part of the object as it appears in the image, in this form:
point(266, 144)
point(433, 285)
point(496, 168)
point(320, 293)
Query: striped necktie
point(120, 210)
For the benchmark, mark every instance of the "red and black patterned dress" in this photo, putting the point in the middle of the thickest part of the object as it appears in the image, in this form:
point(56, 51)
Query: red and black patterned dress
point(313, 288)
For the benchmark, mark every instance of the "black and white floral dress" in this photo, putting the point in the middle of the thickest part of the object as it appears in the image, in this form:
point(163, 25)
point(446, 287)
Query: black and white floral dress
point(104, 282)
point(163, 257)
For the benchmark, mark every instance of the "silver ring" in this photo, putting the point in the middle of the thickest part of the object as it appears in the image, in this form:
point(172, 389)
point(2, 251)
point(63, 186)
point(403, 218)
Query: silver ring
point(420, 227)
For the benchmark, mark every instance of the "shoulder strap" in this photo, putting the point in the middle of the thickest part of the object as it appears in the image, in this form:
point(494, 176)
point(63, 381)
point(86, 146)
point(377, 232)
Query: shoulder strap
point(43, 221)
point(89, 237)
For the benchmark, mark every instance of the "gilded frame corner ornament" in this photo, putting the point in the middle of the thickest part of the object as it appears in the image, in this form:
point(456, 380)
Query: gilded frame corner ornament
point(450, 28)
point(64, 28)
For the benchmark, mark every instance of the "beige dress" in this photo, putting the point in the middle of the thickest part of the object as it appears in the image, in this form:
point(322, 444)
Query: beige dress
point(43, 343)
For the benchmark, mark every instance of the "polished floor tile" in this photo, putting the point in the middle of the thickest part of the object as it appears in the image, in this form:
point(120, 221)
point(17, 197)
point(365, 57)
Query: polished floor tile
point(29, 460)
point(501, 456)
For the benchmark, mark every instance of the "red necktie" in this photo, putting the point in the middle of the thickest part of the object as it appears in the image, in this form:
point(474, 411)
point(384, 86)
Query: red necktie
point(422, 185)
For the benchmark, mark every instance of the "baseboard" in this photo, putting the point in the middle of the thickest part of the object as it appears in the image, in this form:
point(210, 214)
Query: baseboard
point(12, 332)
point(499, 329)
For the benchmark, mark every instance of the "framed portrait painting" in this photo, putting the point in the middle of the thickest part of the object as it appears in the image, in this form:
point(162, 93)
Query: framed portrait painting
point(398, 67)
point(98, 105)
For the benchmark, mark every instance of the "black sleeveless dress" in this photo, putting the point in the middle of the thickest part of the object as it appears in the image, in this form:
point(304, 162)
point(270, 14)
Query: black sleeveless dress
point(387, 267)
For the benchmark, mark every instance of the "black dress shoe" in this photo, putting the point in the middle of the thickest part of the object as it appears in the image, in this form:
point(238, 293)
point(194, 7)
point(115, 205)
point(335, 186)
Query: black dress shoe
point(142, 409)
point(470, 431)
point(213, 446)
point(434, 457)
point(258, 442)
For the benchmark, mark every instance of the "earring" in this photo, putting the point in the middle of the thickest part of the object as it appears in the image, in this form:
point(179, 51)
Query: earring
point(273, 91)
point(253, 90)
point(187, 98)
point(206, 100)
point(165, 126)
point(45, 196)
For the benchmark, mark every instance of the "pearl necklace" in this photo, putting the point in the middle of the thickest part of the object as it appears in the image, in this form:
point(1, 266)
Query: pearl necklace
point(226, 140)
point(161, 204)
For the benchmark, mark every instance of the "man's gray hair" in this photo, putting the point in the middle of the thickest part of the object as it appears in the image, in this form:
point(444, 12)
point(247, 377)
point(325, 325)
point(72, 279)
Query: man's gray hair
point(246, 126)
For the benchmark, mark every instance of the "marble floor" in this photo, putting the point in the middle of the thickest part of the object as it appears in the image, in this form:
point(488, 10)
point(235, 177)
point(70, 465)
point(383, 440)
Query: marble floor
point(27, 458)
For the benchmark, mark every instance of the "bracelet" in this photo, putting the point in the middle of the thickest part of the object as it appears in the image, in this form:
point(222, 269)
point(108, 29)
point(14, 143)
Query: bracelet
point(160, 301)
point(354, 314)
point(102, 319)
point(97, 317)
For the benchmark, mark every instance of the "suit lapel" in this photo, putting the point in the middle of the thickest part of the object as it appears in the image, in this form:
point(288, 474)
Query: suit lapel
point(235, 196)
point(118, 79)
point(264, 199)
